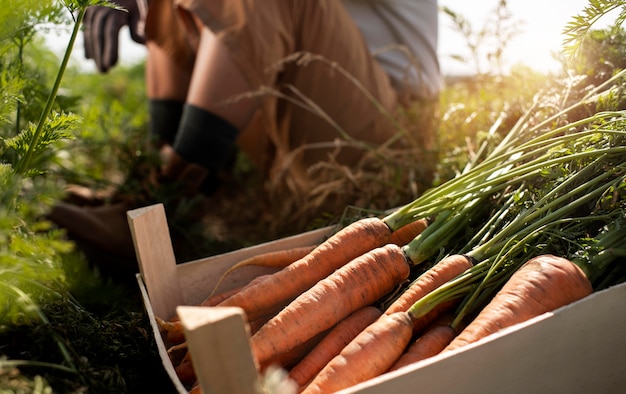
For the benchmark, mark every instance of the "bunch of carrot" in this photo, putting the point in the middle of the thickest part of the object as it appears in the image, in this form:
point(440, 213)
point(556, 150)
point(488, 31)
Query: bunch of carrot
point(472, 246)
point(539, 285)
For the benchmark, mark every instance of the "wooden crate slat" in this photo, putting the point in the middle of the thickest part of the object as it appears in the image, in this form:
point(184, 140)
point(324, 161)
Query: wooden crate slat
point(157, 263)
point(221, 353)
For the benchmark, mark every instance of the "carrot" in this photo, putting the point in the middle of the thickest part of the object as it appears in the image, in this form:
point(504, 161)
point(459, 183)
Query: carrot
point(173, 329)
point(406, 233)
point(540, 285)
point(257, 323)
point(368, 355)
point(434, 277)
point(290, 358)
point(282, 287)
point(359, 283)
point(273, 259)
point(332, 344)
point(218, 298)
point(215, 299)
point(430, 343)
point(343, 368)
point(178, 353)
point(174, 349)
point(185, 372)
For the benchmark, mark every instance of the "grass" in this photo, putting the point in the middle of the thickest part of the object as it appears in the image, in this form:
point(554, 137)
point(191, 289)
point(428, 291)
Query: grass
point(95, 338)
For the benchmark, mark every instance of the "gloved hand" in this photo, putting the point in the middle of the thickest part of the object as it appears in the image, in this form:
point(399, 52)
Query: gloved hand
point(102, 26)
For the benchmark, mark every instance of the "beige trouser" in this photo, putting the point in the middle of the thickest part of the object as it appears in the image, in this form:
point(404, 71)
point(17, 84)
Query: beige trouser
point(323, 93)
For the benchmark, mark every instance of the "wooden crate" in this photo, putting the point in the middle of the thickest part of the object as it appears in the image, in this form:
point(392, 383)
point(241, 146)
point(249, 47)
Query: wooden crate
point(167, 286)
point(578, 348)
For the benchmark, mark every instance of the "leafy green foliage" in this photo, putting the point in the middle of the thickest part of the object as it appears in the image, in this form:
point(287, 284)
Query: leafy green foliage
point(113, 136)
point(581, 25)
point(9, 94)
point(602, 53)
point(31, 272)
point(20, 19)
point(51, 343)
point(55, 129)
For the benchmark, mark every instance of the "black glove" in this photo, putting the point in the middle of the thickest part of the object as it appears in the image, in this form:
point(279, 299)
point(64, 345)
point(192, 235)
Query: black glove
point(102, 26)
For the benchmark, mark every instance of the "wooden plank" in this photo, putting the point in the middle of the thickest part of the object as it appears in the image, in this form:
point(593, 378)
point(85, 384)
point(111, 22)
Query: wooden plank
point(157, 263)
point(220, 350)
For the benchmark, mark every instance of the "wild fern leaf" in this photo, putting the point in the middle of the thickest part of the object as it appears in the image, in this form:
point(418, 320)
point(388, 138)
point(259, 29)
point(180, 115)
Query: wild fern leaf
point(56, 128)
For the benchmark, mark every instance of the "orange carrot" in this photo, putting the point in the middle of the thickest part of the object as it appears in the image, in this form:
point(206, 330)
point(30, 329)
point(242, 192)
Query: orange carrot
point(542, 284)
point(219, 298)
point(430, 343)
point(173, 329)
point(185, 372)
point(434, 277)
point(368, 355)
point(282, 287)
point(215, 299)
point(274, 259)
point(406, 233)
point(344, 370)
point(178, 353)
point(257, 323)
point(173, 350)
point(424, 320)
point(341, 368)
point(332, 344)
point(290, 358)
point(359, 283)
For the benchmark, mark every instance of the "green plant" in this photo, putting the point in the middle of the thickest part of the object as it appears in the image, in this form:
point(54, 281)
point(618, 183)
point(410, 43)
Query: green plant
point(581, 26)
point(29, 253)
point(38, 269)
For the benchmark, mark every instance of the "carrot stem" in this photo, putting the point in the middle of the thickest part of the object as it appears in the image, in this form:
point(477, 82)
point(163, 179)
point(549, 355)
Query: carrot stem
point(551, 210)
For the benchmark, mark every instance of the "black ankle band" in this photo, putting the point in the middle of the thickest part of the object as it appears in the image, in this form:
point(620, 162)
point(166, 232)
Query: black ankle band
point(205, 138)
point(165, 117)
